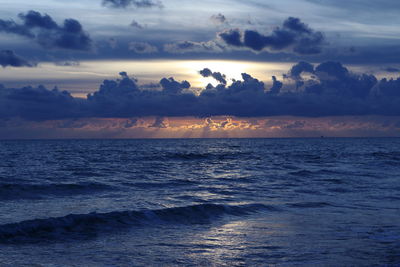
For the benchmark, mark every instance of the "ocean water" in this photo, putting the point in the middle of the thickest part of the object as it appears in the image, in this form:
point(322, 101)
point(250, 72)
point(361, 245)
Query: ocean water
point(202, 202)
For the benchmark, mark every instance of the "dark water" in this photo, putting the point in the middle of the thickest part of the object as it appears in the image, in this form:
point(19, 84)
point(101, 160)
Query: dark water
point(247, 202)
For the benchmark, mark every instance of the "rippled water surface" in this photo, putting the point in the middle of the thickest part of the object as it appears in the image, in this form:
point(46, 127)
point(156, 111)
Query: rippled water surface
point(213, 202)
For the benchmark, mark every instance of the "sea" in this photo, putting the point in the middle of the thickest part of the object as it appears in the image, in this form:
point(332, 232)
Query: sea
point(200, 202)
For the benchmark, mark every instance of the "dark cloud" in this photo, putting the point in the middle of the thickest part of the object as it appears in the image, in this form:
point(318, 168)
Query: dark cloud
point(10, 26)
point(331, 90)
point(221, 78)
point(232, 37)
point(9, 59)
point(391, 69)
point(132, 3)
point(294, 36)
point(388, 88)
point(276, 86)
point(299, 68)
point(46, 32)
point(296, 25)
point(170, 86)
point(38, 103)
point(34, 19)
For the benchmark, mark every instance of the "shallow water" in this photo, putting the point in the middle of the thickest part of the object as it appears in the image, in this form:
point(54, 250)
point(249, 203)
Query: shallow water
point(212, 202)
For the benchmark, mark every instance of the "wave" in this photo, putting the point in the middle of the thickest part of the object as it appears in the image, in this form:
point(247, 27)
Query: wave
point(82, 226)
point(310, 205)
point(393, 155)
point(13, 191)
point(306, 173)
point(204, 156)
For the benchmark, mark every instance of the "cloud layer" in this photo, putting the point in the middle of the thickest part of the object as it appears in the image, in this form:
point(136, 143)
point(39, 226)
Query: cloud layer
point(327, 89)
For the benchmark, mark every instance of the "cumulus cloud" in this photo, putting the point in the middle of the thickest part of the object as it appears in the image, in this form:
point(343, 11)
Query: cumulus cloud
point(331, 90)
point(276, 86)
point(142, 48)
point(170, 86)
point(293, 36)
point(299, 68)
point(46, 32)
point(132, 3)
point(9, 59)
point(221, 78)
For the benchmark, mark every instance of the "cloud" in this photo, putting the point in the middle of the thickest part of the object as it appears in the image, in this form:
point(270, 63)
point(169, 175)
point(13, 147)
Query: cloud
point(160, 123)
point(170, 86)
point(9, 59)
point(193, 47)
point(10, 26)
point(136, 24)
point(293, 37)
point(232, 37)
point(331, 90)
point(142, 48)
point(276, 86)
point(218, 18)
point(131, 123)
point(67, 63)
point(299, 68)
point(391, 69)
point(46, 32)
point(221, 78)
point(132, 3)
point(38, 103)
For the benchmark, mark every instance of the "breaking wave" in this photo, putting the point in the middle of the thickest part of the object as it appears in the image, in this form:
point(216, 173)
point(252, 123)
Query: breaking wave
point(78, 226)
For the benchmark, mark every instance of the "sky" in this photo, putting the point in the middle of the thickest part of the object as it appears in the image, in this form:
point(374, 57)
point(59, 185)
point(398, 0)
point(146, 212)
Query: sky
point(199, 69)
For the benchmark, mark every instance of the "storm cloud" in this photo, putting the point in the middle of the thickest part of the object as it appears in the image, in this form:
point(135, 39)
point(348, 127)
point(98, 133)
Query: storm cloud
point(9, 59)
point(330, 90)
point(293, 36)
point(47, 33)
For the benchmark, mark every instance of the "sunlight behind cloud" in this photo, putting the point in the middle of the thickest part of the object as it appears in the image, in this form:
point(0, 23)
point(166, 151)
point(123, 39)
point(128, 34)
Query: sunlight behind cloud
point(88, 75)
